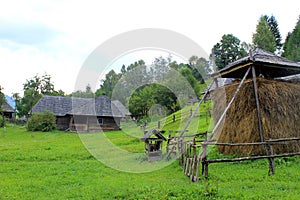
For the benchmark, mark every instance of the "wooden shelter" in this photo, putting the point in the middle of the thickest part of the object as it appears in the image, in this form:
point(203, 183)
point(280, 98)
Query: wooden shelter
point(81, 114)
point(256, 115)
point(153, 144)
point(7, 110)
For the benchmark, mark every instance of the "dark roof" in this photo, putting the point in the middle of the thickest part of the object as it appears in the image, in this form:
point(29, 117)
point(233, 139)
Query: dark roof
point(153, 132)
point(7, 108)
point(100, 106)
point(61, 106)
point(266, 64)
point(121, 108)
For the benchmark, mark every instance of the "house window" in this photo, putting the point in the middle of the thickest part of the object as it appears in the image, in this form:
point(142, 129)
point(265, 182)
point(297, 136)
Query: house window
point(100, 120)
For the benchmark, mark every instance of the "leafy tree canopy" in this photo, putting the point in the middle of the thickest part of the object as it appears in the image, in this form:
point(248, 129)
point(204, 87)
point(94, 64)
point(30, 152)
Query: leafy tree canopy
point(33, 89)
point(229, 49)
point(88, 93)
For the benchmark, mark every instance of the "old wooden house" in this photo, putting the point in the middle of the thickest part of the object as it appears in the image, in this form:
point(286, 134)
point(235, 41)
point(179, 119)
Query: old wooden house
point(82, 114)
point(8, 111)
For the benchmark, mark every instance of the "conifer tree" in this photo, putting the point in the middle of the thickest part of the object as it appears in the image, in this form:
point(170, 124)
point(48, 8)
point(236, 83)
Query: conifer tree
point(264, 37)
point(292, 44)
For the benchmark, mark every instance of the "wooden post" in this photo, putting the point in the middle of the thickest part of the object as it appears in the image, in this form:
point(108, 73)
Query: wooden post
point(216, 82)
point(158, 124)
point(229, 104)
point(261, 133)
point(271, 162)
point(204, 161)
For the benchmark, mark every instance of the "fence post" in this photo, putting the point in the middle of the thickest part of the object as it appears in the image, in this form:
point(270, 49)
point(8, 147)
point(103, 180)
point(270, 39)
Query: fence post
point(204, 161)
point(271, 161)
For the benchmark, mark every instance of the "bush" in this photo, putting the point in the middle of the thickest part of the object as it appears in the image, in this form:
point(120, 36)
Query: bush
point(45, 121)
point(1, 121)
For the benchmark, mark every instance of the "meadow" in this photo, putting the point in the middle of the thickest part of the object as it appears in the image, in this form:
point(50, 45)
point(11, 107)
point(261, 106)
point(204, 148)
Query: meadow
point(56, 165)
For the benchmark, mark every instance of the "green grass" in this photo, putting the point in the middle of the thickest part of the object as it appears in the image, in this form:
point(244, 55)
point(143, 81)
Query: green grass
point(58, 166)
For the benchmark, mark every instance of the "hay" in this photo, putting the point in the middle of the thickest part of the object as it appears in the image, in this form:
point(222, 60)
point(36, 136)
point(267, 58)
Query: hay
point(280, 111)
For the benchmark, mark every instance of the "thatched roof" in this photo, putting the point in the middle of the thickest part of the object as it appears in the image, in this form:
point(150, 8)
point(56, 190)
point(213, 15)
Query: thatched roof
point(121, 108)
point(266, 64)
point(280, 111)
point(61, 106)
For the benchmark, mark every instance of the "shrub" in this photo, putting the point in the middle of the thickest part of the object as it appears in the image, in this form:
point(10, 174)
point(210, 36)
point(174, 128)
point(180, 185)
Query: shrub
point(44, 121)
point(1, 121)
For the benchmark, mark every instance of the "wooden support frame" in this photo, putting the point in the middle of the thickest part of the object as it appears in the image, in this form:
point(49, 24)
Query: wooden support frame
point(261, 132)
point(203, 154)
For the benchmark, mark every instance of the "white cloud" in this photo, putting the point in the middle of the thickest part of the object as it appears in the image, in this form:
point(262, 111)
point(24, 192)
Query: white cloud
point(65, 32)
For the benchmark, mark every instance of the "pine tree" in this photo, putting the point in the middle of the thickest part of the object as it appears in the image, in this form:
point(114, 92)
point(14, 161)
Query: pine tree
point(292, 44)
point(275, 30)
point(264, 38)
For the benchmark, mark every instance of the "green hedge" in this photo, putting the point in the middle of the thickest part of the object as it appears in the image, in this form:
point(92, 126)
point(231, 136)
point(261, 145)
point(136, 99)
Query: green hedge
point(1, 121)
point(44, 121)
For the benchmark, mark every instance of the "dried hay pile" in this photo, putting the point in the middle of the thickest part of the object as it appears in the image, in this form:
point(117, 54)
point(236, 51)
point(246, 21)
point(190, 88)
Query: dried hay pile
point(280, 111)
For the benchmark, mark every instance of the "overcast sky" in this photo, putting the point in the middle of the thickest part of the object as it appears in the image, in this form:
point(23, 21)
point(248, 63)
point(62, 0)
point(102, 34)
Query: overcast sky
point(57, 36)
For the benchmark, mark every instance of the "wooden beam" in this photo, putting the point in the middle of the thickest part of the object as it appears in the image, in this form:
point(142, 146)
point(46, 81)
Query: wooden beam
point(229, 104)
point(193, 114)
point(222, 73)
point(261, 133)
point(252, 158)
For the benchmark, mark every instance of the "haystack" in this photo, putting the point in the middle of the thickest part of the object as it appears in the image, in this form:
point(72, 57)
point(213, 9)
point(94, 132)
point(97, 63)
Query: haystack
point(280, 112)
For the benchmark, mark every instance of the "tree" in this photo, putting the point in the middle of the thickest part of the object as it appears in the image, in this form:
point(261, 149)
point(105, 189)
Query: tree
point(2, 101)
point(109, 83)
point(201, 65)
point(88, 93)
point(272, 22)
point(33, 89)
point(292, 44)
point(227, 50)
point(123, 69)
point(264, 37)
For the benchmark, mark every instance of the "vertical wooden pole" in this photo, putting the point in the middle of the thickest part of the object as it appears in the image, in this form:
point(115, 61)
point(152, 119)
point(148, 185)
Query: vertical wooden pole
point(271, 162)
point(204, 161)
point(261, 132)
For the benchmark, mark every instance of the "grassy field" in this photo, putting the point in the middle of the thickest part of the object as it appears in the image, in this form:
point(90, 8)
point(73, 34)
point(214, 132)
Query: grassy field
point(57, 165)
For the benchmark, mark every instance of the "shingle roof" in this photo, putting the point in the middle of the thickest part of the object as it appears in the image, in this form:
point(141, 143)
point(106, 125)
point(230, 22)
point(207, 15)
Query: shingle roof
point(61, 106)
point(266, 64)
point(7, 108)
point(121, 108)
point(153, 132)
point(100, 106)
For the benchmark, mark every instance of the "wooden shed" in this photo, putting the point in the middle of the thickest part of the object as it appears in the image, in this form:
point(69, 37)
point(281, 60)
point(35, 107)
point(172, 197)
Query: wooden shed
point(153, 144)
point(8, 111)
point(81, 114)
